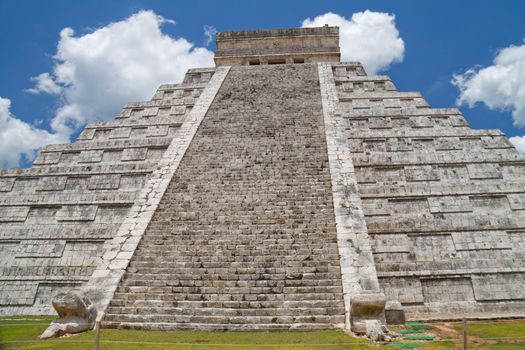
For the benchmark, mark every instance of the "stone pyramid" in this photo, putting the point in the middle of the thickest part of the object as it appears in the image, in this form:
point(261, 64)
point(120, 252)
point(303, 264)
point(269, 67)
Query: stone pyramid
point(281, 189)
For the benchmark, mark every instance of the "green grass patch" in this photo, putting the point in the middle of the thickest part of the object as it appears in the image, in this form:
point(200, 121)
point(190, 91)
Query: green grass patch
point(22, 333)
point(515, 329)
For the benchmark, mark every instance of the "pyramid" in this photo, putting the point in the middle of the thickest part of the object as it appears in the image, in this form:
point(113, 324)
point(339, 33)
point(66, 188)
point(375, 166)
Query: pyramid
point(281, 189)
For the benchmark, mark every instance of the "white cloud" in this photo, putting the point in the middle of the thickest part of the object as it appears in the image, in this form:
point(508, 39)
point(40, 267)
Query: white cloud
point(209, 33)
point(499, 86)
point(45, 83)
point(97, 73)
point(368, 37)
point(19, 139)
point(519, 143)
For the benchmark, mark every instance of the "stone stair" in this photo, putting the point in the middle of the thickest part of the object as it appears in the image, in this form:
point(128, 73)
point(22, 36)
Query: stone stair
point(244, 237)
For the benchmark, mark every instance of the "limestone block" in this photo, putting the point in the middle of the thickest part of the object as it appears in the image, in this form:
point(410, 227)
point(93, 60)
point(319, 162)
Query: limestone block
point(366, 307)
point(458, 121)
point(472, 240)
point(434, 247)
point(449, 204)
point(76, 213)
point(13, 214)
point(508, 286)
point(380, 123)
point(17, 293)
point(90, 156)
point(120, 133)
point(41, 249)
point(143, 112)
point(405, 205)
point(132, 154)
point(404, 289)
point(484, 171)
point(47, 158)
point(87, 134)
point(398, 144)
point(453, 172)
point(6, 184)
point(492, 142)
point(104, 182)
point(394, 313)
point(517, 201)
point(421, 173)
point(178, 110)
point(447, 290)
point(156, 131)
point(391, 243)
point(493, 203)
point(52, 183)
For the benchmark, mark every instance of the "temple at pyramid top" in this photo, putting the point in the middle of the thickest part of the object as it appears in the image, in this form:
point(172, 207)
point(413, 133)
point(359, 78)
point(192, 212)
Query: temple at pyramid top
point(278, 46)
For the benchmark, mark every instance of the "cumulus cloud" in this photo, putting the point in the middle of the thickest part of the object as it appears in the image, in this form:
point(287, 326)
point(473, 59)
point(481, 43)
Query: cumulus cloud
point(97, 73)
point(18, 139)
point(519, 143)
point(368, 37)
point(499, 86)
point(45, 83)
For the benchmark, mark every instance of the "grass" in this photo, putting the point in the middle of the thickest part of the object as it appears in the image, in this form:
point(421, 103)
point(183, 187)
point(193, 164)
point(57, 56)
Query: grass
point(22, 333)
point(497, 330)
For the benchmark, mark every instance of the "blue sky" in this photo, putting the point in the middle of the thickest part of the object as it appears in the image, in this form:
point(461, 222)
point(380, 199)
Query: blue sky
point(441, 38)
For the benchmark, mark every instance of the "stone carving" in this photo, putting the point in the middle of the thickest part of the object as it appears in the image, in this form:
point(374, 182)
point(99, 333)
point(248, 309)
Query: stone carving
point(77, 314)
point(367, 307)
point(368, 316)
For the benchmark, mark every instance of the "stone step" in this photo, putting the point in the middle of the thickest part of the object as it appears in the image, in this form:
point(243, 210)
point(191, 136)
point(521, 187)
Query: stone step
point(138, 280)
point(182, 278)
point(228, 290)
point(245, 320)
point(220, 327)
point(190, 304)
point(227, 257)
point(244, 237)
point(247, 267)
point(228, 297)
point(185, 311)
point(243, 270)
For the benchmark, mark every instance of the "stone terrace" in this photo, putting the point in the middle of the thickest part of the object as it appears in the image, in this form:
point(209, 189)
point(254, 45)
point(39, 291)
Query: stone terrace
point(57, 217)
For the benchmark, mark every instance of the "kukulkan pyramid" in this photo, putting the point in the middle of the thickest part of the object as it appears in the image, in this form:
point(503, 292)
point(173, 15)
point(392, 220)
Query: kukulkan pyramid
point(281, 189)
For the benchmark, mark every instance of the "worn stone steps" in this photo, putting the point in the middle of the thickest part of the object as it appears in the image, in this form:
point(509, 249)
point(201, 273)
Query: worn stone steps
point(219, 294)
point(253, 267)
point(232, 290)
point(184, 311)
point(138, 280)
point(118, 304)
point(244, 236)
point(245, 320)
point(169, 326)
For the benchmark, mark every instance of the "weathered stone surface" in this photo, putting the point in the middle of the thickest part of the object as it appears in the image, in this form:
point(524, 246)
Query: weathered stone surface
point(394, 313)
point(367, 307)
point(277, 46)
point(441, 202)
point(57, 217)
point(244, 237)
point(77, 314)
